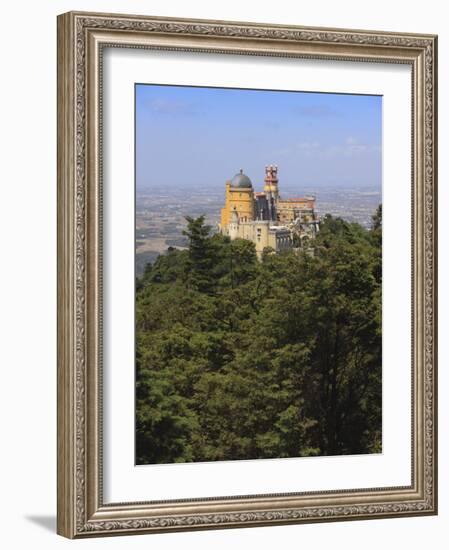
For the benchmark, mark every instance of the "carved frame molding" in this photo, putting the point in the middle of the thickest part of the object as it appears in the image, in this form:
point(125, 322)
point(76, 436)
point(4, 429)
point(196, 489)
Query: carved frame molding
point(81, 39)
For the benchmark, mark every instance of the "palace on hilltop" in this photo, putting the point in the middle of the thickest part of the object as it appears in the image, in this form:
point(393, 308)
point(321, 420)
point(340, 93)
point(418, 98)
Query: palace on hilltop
point(265, 218)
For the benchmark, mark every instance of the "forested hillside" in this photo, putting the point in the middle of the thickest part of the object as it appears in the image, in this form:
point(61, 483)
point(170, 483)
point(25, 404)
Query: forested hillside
point(238, 358)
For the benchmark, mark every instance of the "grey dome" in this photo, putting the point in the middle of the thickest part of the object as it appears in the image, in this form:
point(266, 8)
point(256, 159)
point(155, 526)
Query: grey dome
point(241, 180)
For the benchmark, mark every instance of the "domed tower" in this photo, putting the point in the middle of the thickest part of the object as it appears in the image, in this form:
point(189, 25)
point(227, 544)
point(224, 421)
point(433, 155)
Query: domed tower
point(239, 199)
point(241, 181)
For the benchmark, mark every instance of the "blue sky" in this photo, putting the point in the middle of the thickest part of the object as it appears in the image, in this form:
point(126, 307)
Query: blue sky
point(189, 136)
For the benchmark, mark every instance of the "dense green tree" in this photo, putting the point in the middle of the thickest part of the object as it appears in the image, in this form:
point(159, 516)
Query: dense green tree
point(377, 218)
point(201, 255)
point(238, 358)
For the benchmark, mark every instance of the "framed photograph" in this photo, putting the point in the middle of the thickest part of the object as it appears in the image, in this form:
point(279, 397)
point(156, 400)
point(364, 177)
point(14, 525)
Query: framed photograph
point(246, 274)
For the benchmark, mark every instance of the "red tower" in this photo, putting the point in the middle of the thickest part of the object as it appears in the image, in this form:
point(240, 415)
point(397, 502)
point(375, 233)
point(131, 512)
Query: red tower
point(271, 181)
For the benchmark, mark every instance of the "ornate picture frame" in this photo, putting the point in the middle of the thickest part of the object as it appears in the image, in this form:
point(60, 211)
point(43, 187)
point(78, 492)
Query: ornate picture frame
point(82, 39)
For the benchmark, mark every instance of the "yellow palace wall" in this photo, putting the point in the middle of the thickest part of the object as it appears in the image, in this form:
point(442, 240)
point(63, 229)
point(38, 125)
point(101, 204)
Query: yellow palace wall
point(238, 199)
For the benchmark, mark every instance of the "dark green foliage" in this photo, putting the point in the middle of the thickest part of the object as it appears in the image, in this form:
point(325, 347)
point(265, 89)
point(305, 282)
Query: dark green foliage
point(239, 358)
point(202, 254)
